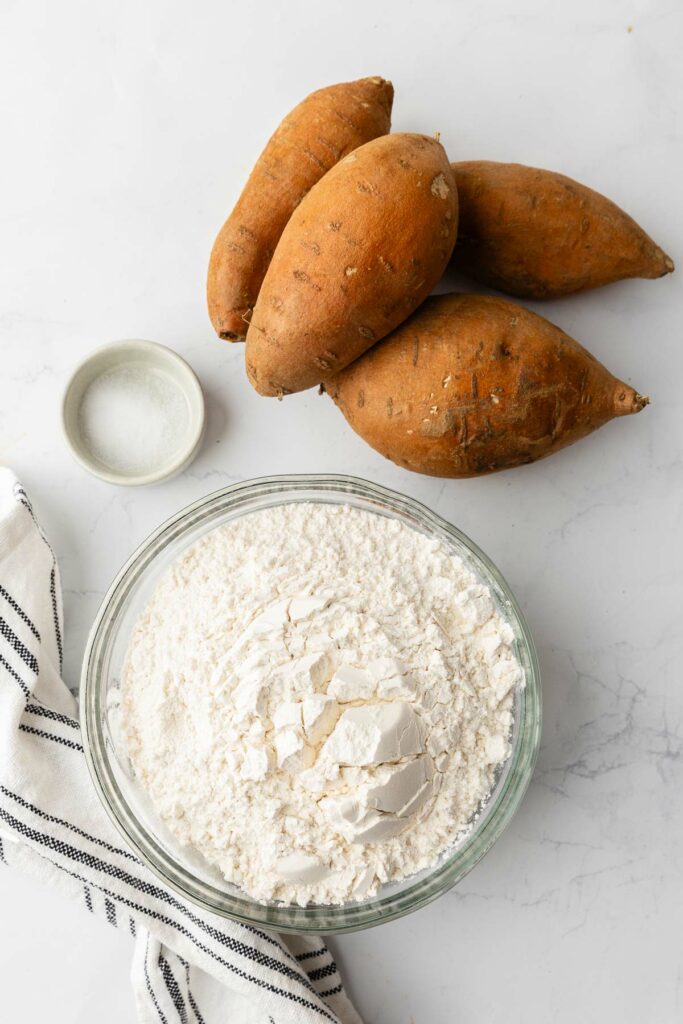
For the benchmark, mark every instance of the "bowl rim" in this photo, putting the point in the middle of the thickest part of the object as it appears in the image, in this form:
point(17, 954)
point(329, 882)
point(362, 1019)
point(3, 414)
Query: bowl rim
point(157, 354)
point(317, 919)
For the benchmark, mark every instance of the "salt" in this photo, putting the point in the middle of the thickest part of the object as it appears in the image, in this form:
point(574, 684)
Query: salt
point(134, 419)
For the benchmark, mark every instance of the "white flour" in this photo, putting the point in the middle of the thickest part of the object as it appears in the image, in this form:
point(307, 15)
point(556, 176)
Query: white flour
point(317, 699)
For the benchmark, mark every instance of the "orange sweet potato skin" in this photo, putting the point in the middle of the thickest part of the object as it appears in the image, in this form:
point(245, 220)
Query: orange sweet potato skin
point(322, 129)
point(360, 253)
point(472, 384)
point(539, 235)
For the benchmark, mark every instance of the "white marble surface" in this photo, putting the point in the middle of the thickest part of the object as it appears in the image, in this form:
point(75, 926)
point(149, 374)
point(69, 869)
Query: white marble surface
point(127, 131)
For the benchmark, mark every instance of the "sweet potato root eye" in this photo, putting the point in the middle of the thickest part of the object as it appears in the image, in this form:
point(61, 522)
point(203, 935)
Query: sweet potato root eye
point(439, 187)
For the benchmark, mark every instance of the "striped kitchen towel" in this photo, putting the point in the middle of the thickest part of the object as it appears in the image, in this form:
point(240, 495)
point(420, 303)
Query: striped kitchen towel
point(189, 966)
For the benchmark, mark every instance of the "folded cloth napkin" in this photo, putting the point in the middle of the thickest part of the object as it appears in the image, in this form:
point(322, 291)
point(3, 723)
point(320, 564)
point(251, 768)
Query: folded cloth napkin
point(189, 966)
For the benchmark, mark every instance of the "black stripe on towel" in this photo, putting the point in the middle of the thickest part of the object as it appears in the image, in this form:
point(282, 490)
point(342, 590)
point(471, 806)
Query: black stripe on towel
point(50, 736)
point(268, 938)
point(173, 989)
point(54, 716)
point(191, 999)
point(314, 952)
point(330, 992)
point(195, 1009)
point(88, 897)
point(20, 612)
point(15, 676)
point(55, 612)
point(148, 983)
point(67, 824)
point(21, 496)
point(111, 911)
point(16, 644)
point(323, 972)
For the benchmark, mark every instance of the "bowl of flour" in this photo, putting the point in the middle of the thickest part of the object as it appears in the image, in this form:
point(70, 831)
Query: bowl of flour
point(310, 703)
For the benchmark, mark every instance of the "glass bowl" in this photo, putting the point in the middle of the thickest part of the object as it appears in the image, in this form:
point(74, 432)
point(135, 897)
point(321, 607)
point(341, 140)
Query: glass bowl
point(182, 869)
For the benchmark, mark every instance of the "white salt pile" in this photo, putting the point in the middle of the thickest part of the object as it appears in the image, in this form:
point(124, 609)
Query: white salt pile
point(134, 419)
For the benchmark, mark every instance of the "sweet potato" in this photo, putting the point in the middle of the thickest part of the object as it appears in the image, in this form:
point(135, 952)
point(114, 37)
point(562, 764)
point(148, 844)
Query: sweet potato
point(471, 384)
point(360, 253)
point(540, 235)
point(321, 130)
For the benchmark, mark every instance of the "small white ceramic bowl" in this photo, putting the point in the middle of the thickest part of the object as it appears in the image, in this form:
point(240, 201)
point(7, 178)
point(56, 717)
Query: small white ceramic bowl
point(142, 357)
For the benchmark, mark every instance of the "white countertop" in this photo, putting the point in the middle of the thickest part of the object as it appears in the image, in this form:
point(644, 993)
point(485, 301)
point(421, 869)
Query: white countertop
point(126, 137)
